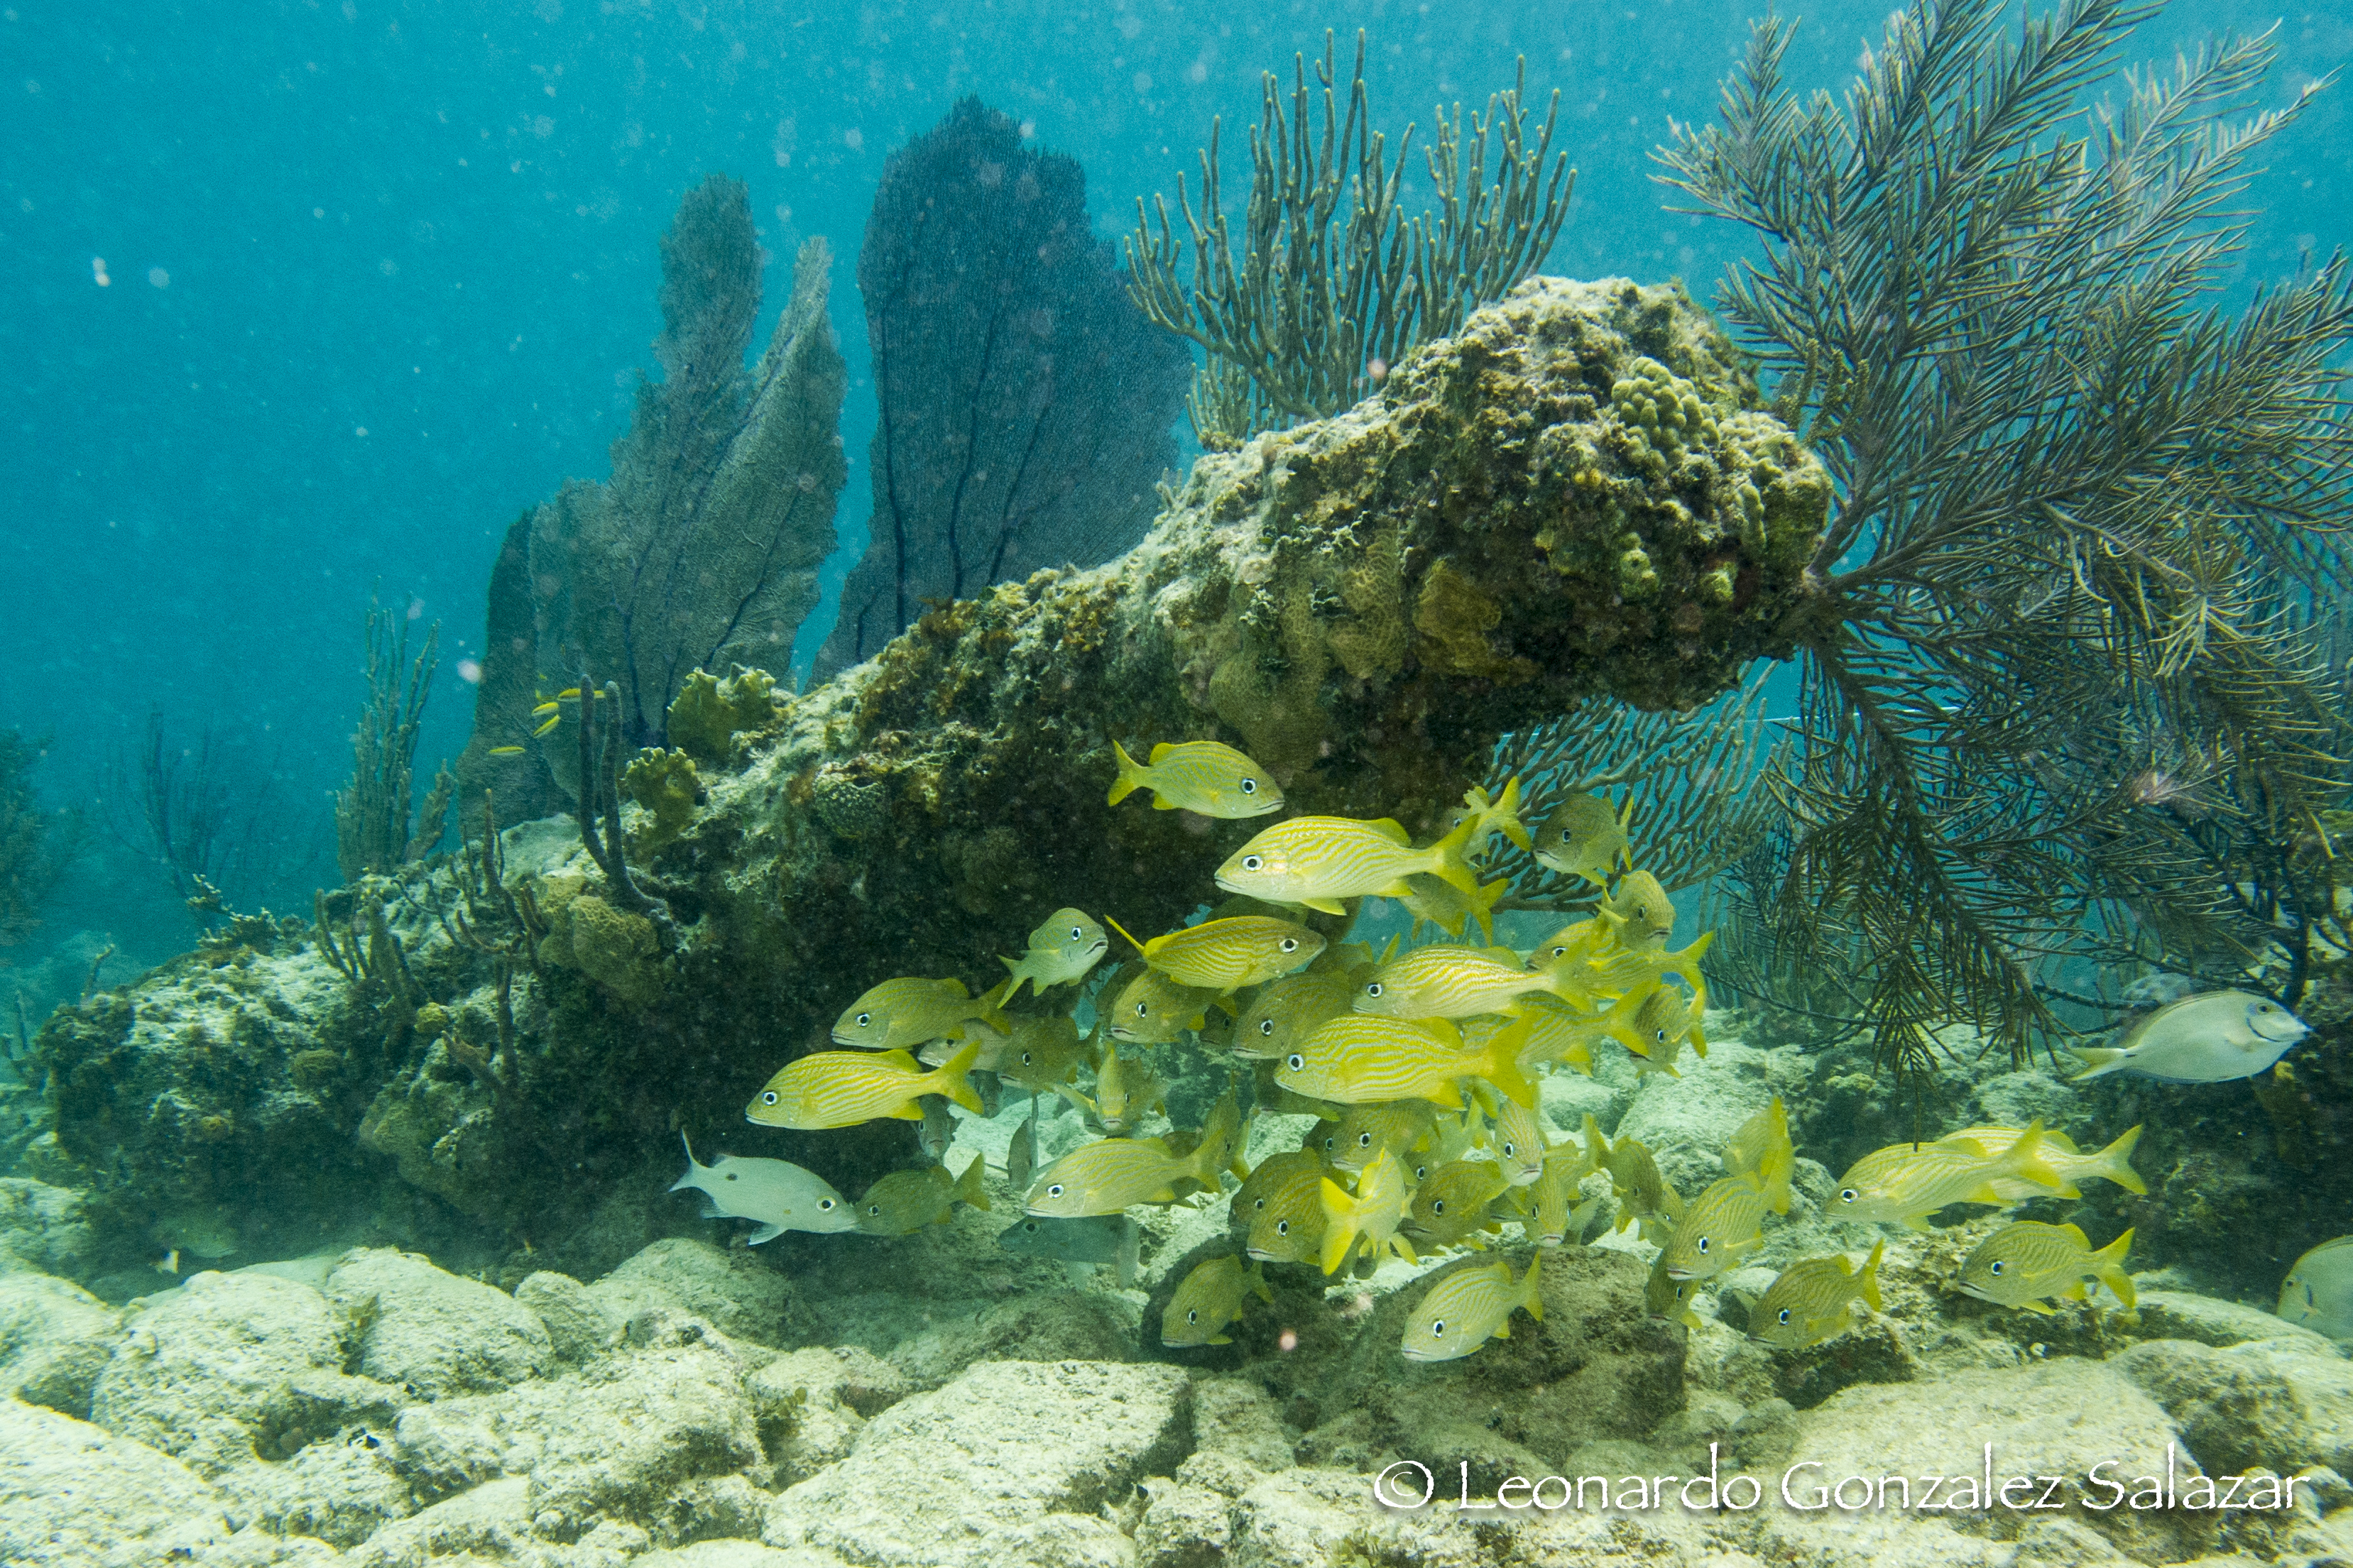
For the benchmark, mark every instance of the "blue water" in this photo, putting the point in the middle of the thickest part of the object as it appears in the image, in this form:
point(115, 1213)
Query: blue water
point(305, 302)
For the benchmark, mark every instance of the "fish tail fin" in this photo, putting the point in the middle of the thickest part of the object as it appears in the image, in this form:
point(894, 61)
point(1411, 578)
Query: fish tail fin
point(1504, 1070)
point(1780, 1160)
point(1017, 972)
point(993, 1001)
point(1868, 1280)
point(1339, 1226)
point(1596, 1142)
point(2095, 1060)
point(2024, 1160)
point(1130, 775)
point(1507, 816)
point(1532, 1282)
point(2108, 1264)
point(2116, 1163)
point(1447, 860)
point(692, 1164)
point(967, 1189)
point(951, 1080)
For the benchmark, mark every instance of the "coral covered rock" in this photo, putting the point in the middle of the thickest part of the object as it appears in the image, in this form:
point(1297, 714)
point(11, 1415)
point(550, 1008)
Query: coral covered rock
point(73, 1495)
point(433, 1333)
point(55, 1339)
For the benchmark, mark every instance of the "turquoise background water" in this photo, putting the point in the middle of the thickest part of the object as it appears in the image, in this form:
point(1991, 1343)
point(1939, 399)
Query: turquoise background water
point(377, 277)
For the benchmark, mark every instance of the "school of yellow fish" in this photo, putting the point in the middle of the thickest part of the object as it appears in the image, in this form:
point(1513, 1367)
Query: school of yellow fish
point(1421, 1067)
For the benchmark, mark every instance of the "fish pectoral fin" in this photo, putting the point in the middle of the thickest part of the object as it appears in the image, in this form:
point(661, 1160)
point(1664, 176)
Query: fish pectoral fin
point(2037, 1307)
point(1162, 802)
point(910, 1111)
point(766, 1233)
point(1220, 1339)
point(1326, 906)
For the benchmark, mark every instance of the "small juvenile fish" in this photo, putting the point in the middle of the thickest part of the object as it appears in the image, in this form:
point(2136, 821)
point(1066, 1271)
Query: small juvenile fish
point(1363, 1132)
point(1286, 1214)
point(1124, 1093)
point(2113, 1164)
point(1583, 838)
point(506, 750)
point(1550, 1030)
point(898, 1014)
point(1519, 1142)
point(1042, 1053)
point(1488, 817)
point(904, 1201)
point(1654, 1030)
point(2213, 1037)
point(1643, 1196)
point(1471, 1306)
point(938, 1130)
point(1153, 1010)
point(1108, 1176)
point(1210, 1298)
point(1814, 1301)
point(1320, 860)
point(1224, 955)
point(1111, 1238)
point(1906, 1182)
point(2023, 1262)
point(1202, 776)
point(1443, 981)
point(1557, 1212)
point(1290, 1009)
point(780, 1196)
point(1724, 1221)
point(1759, 1148)
point(1625, 971)
point(1022, 1154)
point(1640, 915)
point(2318, 1291)
point(842, 1089)
point(1369, 1219)
point(1361, 1056)
point(1060, 952)
point(1451, 1205)
point(1433, 900)
point(1574, 944)
point(1664, 1296)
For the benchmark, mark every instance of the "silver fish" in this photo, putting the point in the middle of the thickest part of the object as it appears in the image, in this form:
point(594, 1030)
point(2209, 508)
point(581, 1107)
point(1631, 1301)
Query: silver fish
point(2213, 1037)
point(938, 1129)
point(2318, 1291)
point(1111, 1239)
point(1022, 1154)
point(781, 1196)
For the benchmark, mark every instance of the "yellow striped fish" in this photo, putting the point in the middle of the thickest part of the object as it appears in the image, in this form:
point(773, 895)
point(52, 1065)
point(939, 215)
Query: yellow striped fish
point(1451, 1205)
point(1059, 952)
point(1519, 1142)
point(1369, 1218)
point(1488, 817)
point(1319, 860)
point(1471, 1306)
point(1550, 1030)
point(1432, 900)
point(906, 1011)
point(1203, 777)
point(1724, 1221)
point(1640, 915)
point(1224, 955)
point(1152, 1010)
point(1442, 980)
point(1360, 1056)
point(1907, 1182)
point(1399, 1126)
point(843, 1088)
point(1558, 1214)
point(2113, 1164)
point(1814, 1301)
point(1584, 838)
point(1286, 1212)
point(1290, 1009)
point(1210, 1298)
point(1106, 1176)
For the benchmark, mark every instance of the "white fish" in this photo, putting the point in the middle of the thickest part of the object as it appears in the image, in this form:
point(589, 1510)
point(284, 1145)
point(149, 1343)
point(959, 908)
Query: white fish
point(779, 1194)
point(2318, 1291)
point(1111, 1239)
point(2213, 1037)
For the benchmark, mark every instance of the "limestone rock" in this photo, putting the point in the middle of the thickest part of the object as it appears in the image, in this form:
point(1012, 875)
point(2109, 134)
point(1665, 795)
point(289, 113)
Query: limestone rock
point(339, 1493)
point(208, 1374)
point(2183, 1315)
point(431, 1331)
point(1057, 1325)
point(42, 1227)
point(962, 1475)
point(74, 1496)
point(2057, 1417)
point(2263, 1403)
point(1183, 1527)
point(1236, 1416)
point(491, 1523)
point(733, 1555)
point(55, 1339)
point(812, 1404)
point(639, 1428)
point(577, 1325)
point(736, 1291)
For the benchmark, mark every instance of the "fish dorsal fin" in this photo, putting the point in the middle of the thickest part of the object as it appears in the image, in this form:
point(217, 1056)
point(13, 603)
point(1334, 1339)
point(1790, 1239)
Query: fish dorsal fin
point(2077, 1232)
point(1389, 827)
point(902, 1060)
point(953, 987)
point(1160, 750)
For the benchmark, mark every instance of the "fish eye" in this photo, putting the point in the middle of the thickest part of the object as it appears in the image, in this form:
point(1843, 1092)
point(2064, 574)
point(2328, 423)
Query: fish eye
point(1848, 1194)
point(1258, 1203)
point(1564, 836)
point(767, 1097)
point(1364, 1140)
point(1144, 1009)
point(1373, 989)
point(1783, 1316)
point(1510, 1149)
point(1702, 1246)
point(1030, 1226)
point(1075, 933)
point(1249, 786)
point(1291, 944)
point(1282, 1227)
point(874, 1208)
point(825, 1206)
point(1055, 1190)
point(1295, 1061)
point(1419, 1172)
point(1265, 1027)
point(1439, 1207)
point(1193, 1315)
point(1252, 862)
point(1557, 952)
point(1997, 1267)
point(865, 1019)
point(1437, 1328)
point(1662, 1036)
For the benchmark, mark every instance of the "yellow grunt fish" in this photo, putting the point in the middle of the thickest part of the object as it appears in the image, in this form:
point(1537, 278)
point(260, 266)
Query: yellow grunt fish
point(1106, 1176)
point(1488, 817)
point(1664, 1296)
point(1224, 955)
point(1124, 1093)
point(1471, 1306)
point(1319, 860)
point(1906, 1182)
point(1724, 1221)
point(1442, 980)
point(1369, 1219)
point(904, 1201)
point(1060, 952)
point(1433, 900)
point(1759, 1148)
point(843, 1088)
point(1363, 1132)
point(900, 1014)
point(1212, 1296)
point(1552, 1031)
point(506, 750)
point(1450, 1205)
point(1574, 945)
point(1558, 1214)
point(1360, 1056)
point(1153, 1010)
point(1519, 1142)
point(1286, 1216)
point(1627, 972)
point(2113, 1164)
point(1654, 1030)
point(1640, 915)
point(1643, 1196)
point(2022, 1263)
point(1202, 776)
point(1038, 1054)
point(1814, 1301)
point(1290, 1009)
point(1583, 838)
